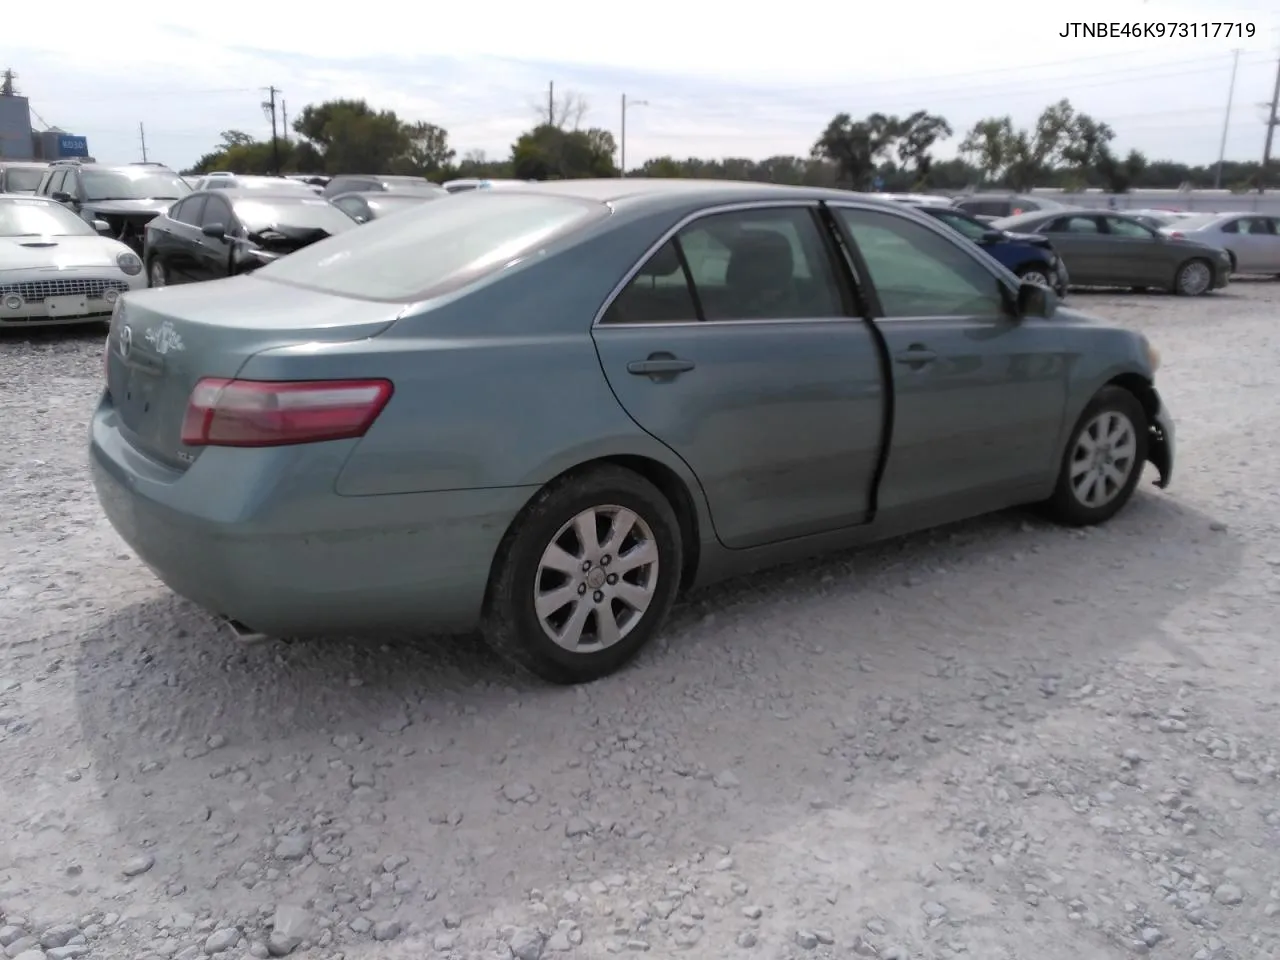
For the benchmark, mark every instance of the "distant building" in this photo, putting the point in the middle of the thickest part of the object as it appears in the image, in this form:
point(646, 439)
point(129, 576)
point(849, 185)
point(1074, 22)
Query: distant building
point(18, 141)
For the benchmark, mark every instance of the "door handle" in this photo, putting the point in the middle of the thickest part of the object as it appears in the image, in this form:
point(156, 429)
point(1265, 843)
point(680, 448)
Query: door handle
point(660, 366)
point(916, 355)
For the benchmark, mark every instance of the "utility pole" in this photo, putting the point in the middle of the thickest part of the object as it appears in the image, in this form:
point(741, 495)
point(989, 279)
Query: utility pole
point(1226, 121)
point(142, 136)
point(284, 121)
point(1271, 129)
point(551, 103)
point(270, 106)
point(622, 142)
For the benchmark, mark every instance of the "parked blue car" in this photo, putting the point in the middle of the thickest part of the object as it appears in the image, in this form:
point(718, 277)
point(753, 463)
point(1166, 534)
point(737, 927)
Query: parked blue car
point(1031, 257)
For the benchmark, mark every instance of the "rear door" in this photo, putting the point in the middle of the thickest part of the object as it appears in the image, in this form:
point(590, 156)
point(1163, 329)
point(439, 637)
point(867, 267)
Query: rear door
point(1078, 240)
point(1256, 246)
point(979, 396)
point(735, 345)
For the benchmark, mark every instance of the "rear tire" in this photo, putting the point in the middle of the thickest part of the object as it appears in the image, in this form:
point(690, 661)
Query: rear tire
point(602, 550)
point(1103, 460)
point(1194, 278)
point(157, 273)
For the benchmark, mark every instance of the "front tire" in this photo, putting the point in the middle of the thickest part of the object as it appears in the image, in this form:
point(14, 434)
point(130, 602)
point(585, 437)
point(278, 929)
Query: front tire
point(585, 576)
point(1103, 461)
point(1034, 273)
point(1194, 278)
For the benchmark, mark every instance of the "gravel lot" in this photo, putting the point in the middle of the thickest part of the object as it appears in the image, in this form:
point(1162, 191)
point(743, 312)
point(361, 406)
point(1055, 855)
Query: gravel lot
point(1002, 740)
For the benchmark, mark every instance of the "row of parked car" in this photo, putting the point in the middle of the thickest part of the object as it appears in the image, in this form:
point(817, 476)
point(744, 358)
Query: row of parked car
point(110, 228)
point(1045, 240)
point(78, 234)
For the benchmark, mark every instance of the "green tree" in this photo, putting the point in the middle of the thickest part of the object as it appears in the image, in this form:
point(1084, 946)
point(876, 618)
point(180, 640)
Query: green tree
point(352, 137)
point(428, 153)
point(916, 136)
point(856, 147)
point(1119, 175)
point(551, 153)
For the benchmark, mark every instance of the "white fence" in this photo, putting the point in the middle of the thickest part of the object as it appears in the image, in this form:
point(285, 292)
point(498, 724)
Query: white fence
point(1207, 201)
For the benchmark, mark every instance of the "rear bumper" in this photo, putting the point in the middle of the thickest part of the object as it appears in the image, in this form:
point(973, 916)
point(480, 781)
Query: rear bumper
point(1162, 442)
point(260, 537)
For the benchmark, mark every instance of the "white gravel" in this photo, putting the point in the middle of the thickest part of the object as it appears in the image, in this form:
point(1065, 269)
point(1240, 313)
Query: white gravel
point(1003, 740)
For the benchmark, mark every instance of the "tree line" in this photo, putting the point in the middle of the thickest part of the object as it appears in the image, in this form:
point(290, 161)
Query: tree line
point(1064, 148)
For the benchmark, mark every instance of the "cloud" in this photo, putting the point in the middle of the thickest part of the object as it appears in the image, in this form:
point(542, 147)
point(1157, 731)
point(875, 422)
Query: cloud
point(716, 84)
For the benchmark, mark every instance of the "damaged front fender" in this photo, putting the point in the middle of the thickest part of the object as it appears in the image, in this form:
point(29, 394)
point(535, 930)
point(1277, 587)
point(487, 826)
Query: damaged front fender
point(1160, 442)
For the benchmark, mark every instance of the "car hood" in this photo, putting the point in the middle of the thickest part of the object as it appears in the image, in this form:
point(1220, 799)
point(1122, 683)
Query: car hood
point(19, 253)
point(129, 206)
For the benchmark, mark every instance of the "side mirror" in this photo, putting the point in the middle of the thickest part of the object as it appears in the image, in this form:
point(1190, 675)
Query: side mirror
point(102, 226)
point(217, 231)
point(61, 196)
point(1036, 301)
point(992, 236)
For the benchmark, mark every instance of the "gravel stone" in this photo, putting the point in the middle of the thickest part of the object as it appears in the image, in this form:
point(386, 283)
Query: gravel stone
point(221, 940)
point(1067, 735)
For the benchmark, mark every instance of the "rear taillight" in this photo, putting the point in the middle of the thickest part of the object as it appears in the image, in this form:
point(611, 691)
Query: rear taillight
point(260, 413)
point(1177, 234)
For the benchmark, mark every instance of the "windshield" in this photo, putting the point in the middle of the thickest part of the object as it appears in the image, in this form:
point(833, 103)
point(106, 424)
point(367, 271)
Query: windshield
point(1020, 222)
point(317, 214)
point(440, 245)
point(384, 203)
point(40, 218)
point(18, 179)
point(132, 185)
point(282, 184)
point(412, 185)
point(1192, 223)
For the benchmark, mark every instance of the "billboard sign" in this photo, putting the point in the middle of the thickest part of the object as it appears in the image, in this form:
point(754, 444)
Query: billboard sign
point(69, 146)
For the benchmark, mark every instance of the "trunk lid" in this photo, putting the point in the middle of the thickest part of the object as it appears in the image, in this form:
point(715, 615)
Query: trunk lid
point(163, 341)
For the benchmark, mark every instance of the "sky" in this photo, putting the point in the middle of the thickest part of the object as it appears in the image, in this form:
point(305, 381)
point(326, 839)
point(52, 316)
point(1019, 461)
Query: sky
point(702, 81)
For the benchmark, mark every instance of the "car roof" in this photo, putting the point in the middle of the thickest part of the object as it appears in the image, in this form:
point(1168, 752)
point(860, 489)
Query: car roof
point(23, 163)
point(28, 197)
point(381, 194)
point(258, 193)
point(643, 191)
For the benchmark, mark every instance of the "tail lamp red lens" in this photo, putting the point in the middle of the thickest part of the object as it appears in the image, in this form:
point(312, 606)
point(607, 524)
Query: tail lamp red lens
point(1177, 234)
point(260, 413)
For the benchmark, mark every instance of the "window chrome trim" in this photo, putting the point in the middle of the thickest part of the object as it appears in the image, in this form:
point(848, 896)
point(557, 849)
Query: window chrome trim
point(735, 206)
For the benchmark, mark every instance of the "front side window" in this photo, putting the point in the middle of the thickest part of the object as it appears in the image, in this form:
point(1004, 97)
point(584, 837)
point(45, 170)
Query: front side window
point(216, 212)
point(1073, 225)
point(40, 218)
point(188, 211)
point(973, 229)
point(54, 183)
point(440, 246)
point(133, 185)
point(1119, 227)
point(918, 272)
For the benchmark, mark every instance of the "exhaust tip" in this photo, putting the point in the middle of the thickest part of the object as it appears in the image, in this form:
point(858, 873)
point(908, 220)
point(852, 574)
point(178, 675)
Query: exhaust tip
point(243, 633)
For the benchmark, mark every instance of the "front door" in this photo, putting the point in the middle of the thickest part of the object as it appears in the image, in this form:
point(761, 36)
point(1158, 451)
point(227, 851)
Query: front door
point(733, 344)
point(979, 396)
point(1129, 251)
point(1255, 246)
point(213, 255)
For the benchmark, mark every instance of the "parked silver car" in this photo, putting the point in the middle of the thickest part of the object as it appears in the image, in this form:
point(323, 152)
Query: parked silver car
point(1251, 240)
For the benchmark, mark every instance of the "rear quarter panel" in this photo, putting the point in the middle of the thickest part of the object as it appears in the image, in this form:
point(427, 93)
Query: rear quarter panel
point(496, 386)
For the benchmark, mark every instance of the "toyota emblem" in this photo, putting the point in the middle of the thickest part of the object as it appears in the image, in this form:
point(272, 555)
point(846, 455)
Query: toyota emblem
point(126, 341)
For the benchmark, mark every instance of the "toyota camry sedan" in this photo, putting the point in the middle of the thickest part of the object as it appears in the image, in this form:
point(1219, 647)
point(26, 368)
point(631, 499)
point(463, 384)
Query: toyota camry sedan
point(542, 412)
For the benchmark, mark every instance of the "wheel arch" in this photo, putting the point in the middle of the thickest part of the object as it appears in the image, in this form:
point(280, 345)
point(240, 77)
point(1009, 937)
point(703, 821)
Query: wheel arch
point(669, 483)
point(1141, 387)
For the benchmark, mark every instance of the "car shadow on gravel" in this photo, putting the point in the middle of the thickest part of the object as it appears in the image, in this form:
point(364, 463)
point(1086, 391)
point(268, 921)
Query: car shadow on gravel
point(177, 719)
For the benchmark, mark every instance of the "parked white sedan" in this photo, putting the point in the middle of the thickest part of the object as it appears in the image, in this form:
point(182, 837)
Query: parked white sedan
point(55, 268)
point(1251, 239)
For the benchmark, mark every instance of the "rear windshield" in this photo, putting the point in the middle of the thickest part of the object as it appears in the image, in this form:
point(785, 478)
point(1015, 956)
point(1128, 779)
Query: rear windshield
point(1192, 223)
point(441, 245)
point(316, 214)
point(23, 178)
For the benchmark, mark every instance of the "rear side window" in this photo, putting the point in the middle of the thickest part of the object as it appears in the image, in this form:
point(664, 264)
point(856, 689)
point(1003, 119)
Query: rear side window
point(438, 247)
